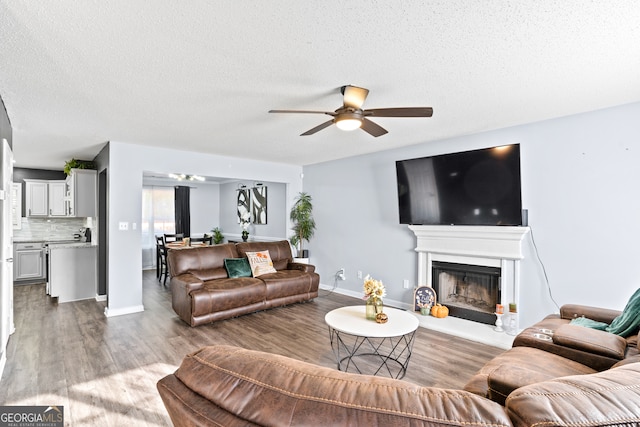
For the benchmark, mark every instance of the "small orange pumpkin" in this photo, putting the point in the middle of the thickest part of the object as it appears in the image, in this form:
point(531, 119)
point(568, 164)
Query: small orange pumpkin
point(439, 311)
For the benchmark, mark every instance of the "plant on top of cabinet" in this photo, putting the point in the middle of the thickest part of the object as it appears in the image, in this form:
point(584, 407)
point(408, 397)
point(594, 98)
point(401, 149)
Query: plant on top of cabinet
point(77, 164)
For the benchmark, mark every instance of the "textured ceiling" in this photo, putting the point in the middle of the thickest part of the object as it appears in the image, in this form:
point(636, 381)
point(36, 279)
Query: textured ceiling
point(201, 75)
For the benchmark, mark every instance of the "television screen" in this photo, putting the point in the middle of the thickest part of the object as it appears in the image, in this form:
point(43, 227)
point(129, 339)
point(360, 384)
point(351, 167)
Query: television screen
point(478, 187)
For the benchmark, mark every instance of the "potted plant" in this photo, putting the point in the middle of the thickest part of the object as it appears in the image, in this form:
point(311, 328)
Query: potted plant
point(218, 237)
point(77, 164)
point(303, 223)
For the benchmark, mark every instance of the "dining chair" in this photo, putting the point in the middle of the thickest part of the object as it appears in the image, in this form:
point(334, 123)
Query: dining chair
point(162, 268)
point(206, 239)
point(168, 238)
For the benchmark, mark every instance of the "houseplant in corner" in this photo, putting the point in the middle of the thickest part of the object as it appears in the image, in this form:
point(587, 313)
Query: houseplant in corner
point(304, 225)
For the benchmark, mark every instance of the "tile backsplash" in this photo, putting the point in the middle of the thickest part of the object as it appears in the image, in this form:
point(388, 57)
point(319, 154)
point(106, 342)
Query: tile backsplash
point(50, 228)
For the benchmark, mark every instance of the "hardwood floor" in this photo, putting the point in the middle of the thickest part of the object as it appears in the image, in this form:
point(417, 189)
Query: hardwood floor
point(104, 370)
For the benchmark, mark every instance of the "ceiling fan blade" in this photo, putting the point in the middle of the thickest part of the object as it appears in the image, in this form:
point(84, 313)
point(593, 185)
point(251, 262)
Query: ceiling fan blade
point(354, 96)
point(330, 113)
point(400, 112)
point(318, 128)
point(372, 128)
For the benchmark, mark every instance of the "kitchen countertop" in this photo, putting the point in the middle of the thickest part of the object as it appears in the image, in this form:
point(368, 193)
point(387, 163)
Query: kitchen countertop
point(62, 245)
point(58, 243)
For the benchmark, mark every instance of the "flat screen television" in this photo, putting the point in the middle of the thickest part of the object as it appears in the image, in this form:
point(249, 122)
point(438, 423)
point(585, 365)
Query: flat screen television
point(478, 187)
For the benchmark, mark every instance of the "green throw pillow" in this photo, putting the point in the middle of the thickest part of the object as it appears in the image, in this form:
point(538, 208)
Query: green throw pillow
point(237, 267)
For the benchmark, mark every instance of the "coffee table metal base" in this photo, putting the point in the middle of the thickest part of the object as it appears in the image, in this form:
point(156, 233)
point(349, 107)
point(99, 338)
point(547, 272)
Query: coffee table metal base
point(372, 355)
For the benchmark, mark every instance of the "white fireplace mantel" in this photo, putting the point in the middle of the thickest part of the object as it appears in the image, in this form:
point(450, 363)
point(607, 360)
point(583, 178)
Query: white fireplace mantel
point(493, 246)
point(474, 241)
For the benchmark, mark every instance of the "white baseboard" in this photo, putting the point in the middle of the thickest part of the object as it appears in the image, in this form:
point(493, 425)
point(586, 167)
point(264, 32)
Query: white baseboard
point(101, 297)
point(122, 311)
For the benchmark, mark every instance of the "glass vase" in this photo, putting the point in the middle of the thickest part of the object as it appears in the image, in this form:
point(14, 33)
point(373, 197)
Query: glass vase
point(373, 307)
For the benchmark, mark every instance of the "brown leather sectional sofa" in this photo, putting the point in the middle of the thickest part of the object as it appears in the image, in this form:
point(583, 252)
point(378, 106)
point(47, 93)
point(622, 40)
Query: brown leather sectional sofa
point(230, 386)
point(554, 348)
point(202, 291)
point(525, 386)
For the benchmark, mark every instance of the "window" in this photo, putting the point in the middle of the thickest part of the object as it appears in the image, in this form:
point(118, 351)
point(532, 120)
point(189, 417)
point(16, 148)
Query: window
point(158, 217)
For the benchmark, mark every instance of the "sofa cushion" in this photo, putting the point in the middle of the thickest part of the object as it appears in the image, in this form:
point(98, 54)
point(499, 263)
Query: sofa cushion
point(226, 294)
point(279, 251)
point(518, 367)
point(590, 340)
point(268, 389)
point(208, 261)
point(260, 263)
point(602, 399)
point(237, 267)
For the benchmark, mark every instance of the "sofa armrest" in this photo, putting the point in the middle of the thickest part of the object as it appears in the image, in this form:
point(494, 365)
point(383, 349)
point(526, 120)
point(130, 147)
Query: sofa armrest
point(186, 282)
point(307, 268)
point(571, 311)
point(591, 341)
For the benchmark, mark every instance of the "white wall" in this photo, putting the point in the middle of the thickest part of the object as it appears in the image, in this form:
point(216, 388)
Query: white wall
point(277, 212)
point(204, 205)
point(579, 182)
point(126, 165)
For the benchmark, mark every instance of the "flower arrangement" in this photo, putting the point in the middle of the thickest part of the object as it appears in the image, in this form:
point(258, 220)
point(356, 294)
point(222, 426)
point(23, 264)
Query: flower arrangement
point(373, 288)
point(245, 220)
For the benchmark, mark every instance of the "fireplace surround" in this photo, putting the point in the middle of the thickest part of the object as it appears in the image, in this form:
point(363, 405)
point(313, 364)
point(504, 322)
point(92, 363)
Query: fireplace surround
point(498, 247)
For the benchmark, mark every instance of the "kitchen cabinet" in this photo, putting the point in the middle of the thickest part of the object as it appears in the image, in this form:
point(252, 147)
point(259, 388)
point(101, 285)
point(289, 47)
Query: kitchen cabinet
point(37, 197)
point(29, 262)
point(81, 193)
point(45, 198)
point(57, 204)
point(73, 271)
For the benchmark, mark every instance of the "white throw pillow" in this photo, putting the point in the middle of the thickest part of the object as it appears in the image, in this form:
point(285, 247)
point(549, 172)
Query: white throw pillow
point(260, 263)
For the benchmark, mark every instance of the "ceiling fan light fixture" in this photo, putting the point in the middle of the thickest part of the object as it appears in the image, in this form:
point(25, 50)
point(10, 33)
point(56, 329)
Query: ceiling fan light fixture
point(348, 122)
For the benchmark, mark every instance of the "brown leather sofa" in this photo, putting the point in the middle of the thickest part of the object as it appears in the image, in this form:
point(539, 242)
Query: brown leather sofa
point(554, 348)
point(202, 291)
point(230, 386)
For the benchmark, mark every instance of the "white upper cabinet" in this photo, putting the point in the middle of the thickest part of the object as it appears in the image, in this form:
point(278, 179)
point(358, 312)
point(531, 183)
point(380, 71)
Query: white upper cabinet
point(82, 193)
point(57, 205)
point(37, 197)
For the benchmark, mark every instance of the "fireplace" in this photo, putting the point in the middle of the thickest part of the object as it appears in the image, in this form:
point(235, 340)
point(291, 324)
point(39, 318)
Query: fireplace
point(470, 292)
point(495, 250)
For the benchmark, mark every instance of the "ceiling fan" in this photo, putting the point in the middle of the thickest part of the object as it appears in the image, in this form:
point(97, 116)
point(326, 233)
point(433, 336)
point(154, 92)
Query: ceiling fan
point(352, 116)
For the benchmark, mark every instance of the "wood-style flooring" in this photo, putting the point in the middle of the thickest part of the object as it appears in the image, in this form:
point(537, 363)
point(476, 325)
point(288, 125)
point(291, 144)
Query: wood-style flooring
point(103, 371)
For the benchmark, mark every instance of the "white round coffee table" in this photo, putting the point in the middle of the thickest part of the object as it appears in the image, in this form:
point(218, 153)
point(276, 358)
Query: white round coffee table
point(367, 347)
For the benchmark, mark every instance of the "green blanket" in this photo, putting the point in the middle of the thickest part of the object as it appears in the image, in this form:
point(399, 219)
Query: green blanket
point(624, 325)
point(629, 321)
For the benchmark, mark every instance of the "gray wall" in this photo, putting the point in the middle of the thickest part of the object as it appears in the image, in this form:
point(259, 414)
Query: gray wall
point(276, 226)
point(579, 182)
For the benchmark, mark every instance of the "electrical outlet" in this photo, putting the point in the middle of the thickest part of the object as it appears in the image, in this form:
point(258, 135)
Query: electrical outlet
point(359, 274)
point(123, 226)
point(340, 275)
point(405, 283)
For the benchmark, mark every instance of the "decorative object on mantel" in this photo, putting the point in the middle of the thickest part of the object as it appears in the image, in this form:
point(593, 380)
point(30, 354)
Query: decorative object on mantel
point(304, 225)
point(77, 164)
point(374, 291)
point(424, 297)
point(439, 311)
